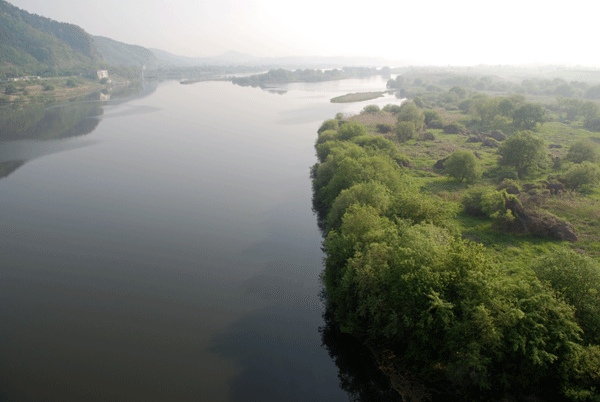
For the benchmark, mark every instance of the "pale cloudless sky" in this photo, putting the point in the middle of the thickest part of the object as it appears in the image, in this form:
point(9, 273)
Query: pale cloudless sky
point(457, 32)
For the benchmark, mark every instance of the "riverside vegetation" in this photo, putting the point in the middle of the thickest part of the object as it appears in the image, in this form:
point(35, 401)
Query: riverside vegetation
point(462, 242)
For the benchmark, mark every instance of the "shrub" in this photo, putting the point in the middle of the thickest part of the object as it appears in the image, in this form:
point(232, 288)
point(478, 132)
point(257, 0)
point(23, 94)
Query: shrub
point(454, 128)
point(463, 166)
point(582, 151)
point(371, 109)
point(577, 278)
point(583, 174)
point(427, 136)
point(328, 125)
point(71, 83)
point(350, 130)
point(384, 128)
point(432, 117)
point(409, 112)
point(10, 89)
point(486, 201)
point(339, 116)
point(389, 108)
point(405, 130)
point(48, 87)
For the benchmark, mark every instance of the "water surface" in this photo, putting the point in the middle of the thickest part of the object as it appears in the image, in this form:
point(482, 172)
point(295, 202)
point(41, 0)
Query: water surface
point(163, 247)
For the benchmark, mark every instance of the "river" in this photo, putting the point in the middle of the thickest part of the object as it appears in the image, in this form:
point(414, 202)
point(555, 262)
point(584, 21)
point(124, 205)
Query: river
point(162, 246)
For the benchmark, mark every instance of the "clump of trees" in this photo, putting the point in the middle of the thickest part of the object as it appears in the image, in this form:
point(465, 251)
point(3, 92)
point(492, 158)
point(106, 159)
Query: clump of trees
point(522, 150)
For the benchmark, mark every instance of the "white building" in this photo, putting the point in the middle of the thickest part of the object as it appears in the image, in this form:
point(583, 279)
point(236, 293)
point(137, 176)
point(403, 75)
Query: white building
point(102, 74)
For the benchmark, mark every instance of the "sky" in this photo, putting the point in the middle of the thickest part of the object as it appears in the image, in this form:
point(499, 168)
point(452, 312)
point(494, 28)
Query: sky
point(448, 32)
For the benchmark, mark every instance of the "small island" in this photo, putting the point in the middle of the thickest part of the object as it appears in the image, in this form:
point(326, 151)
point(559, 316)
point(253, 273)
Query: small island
point(357, 97)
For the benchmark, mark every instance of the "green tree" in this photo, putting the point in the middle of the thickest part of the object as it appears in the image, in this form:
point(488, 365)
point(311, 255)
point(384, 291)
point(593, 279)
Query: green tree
point(577, 278)
point(328, 125)
point(350, 130)
point(463, 166)
point(372, 109)
point(584, 174)
point(522, 150)
point(405, 130)
point(10, 89)
point(582, 151)
point(411, 113)
point(527, 116)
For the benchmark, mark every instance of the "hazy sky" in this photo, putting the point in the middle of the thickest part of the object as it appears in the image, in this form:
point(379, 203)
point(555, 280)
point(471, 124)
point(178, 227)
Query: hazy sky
point(462, 32)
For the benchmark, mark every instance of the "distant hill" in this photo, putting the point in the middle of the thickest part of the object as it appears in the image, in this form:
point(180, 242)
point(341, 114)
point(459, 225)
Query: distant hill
point(119, 53)
point(37, 45)
point(34, 45)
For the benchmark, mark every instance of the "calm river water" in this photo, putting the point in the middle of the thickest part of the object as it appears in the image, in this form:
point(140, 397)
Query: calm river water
point(162, 247)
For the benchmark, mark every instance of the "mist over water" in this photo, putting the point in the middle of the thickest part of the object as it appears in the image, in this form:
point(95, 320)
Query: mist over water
point(167, 250)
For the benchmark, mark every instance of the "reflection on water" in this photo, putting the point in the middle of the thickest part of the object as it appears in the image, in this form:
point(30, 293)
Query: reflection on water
point(358, 373)
point(32, 131)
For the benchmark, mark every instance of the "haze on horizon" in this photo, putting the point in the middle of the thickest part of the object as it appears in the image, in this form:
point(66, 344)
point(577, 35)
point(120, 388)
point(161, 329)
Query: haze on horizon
point(438, 32)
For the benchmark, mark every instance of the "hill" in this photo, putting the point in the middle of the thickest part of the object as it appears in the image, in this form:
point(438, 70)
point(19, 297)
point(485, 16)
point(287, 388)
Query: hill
point(119, 53)
point(35, 45)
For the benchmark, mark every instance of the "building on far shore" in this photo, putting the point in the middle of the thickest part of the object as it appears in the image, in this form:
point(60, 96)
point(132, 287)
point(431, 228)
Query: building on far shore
point(102, 74)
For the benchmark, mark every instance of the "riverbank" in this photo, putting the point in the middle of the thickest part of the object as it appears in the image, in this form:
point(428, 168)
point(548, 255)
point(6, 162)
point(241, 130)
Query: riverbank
point(48, 90)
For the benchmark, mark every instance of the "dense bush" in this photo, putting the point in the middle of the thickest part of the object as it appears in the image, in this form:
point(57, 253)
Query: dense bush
point(409, 112)
point(584, 174)
point(328, 125)
point(405, 130)
point(582, 151)
point(463, 166)
point(454, 128)
point(394, 109)
point(372, 109)
point(384, 128)
point(522, 150)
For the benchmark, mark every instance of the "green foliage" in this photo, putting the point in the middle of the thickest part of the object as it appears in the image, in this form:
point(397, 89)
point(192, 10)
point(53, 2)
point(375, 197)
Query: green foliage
point(432, 118)
point(454, 128)
point(577, 278)
point(394, 109)
point(350, 130)
point(48, 87)
point(339, 116)
point(395, 83)
point(371, 109)
point(373, 194)
point(384, 128)
point(463, 166)
point(527, 116)
point(486, 201)
point(328, 125)
point(582, 151)
point(10, 89)
point(409, 112)
point(522, 150)
point(104, 81)
point(405, 130)
point(71, 83)
point(583, 174)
